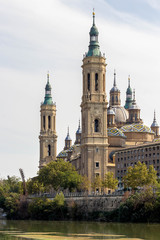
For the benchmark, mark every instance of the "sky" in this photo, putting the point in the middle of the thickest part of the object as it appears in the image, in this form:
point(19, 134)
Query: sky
point(52, 35)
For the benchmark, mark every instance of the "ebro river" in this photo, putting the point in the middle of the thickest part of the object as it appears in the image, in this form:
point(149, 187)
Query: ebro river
point(48, 230)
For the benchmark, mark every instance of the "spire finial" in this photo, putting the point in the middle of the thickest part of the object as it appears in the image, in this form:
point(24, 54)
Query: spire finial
point(129, 81)
point(114, 84)
point(93, 17)
point(79, 124)
point(154, 115)
point(68, 131)
point(48, 77)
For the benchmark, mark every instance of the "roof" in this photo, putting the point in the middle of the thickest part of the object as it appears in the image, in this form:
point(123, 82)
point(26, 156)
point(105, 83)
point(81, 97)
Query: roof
point(114, 132)
point(136, 127)
point(121, 114)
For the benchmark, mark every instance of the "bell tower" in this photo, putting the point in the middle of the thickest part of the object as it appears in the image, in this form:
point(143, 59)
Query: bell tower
point(94, 139)
point(48, 136)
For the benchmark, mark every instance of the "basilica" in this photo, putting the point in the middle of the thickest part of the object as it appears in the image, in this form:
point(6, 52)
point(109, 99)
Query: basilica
point(106, 129)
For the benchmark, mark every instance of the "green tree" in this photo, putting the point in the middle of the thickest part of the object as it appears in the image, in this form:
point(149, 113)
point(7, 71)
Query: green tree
point(34, 186)
point(59, 174)
point(84, 185)
point(97, 183)
point(139, 176)
point(110, 181)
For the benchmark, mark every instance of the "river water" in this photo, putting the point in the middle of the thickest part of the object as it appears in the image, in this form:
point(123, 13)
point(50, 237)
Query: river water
point(53, 230)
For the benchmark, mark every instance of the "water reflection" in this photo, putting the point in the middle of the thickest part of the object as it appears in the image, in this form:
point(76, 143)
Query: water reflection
point(21, 230)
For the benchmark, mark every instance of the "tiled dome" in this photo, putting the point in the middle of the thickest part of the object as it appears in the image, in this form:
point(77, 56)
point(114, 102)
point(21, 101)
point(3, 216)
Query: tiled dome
point(114, 132)
point(136, 127)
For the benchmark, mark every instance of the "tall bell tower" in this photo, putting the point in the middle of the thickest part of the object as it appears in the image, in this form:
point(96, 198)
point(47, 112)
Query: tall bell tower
point(48, 136)
point(94, 139)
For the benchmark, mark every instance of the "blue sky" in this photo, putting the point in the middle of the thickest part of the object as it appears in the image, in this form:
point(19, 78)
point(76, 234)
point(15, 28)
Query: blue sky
point(53, 35)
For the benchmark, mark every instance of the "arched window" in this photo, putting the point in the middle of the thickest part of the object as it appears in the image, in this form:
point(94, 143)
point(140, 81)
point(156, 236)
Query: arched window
point(112, 99)
point(96, 82)
point(116, 99)
point(49, 150)
point(49, 122)
point(88, 81)
point(44, 123)
point(96, 125)
point(131, 116)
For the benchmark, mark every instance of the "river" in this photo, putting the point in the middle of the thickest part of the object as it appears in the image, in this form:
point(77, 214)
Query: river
point(53, 230)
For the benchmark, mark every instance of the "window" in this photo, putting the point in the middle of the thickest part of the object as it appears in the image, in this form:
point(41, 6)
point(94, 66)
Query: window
point(88, 76)
point(97, 174)
point(49, 150)
point(44, 123)
point(96, 125)
point(49, 122)
point(97, 164)
point(136, 116)
point(96, 82)
point(116, 99)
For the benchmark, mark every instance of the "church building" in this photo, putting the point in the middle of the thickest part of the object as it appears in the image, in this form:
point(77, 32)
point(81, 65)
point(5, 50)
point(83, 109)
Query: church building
point(106, 127)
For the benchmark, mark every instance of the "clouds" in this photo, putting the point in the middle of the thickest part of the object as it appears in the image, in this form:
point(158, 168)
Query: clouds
point(53, 35)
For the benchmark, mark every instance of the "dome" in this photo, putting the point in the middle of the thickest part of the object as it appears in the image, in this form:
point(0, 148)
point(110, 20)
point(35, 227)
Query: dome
point(154, 124)
point(62, 154)
point(156, 140)
point(110, 111)
point(114, 132)
point(121, 114)
point(68, 138)
point(94, 31)
point(48, 86)
point(114, 89)
point(136, 127)
point(129, 91)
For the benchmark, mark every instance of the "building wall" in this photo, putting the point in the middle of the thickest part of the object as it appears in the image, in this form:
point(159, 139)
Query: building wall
point(147, 153)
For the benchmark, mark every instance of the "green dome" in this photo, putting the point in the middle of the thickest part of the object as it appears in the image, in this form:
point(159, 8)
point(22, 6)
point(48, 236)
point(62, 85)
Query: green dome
point(94, 31)
point(48, 96)
point(129, 91)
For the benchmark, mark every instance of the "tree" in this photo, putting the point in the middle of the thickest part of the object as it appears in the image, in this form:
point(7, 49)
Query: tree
point(84, 185)
point(59, 174)
point(97, 183)
point(110, 181)
point(34, 186)
point(139, 176)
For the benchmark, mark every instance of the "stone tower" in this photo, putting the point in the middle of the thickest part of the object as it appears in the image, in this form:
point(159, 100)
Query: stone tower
point(115, 94)
point(155, 126)
point(94, 139)
point(48, 136)
point(68, 141)
point(129, 100)
point(134, 112)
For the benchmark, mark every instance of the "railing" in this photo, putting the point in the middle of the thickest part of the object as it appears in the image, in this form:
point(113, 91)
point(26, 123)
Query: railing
point(77, 194)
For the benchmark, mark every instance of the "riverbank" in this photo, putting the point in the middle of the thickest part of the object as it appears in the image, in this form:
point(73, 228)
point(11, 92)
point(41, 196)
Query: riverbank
point(140, 207)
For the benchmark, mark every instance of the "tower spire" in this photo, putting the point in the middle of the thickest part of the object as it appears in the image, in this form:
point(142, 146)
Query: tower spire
point(114, 83)
point(48, 77)
point(48, 96)
point(154, 116)
point(93, 45)
point(128, 81)
point(93, 17)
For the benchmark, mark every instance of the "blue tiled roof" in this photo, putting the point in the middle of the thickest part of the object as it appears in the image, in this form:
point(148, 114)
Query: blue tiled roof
point(113, 132)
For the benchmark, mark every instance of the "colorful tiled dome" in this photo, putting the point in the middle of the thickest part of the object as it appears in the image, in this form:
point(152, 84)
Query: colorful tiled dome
point(62, 154)
point(136, 127)
point(114, 132)
point(156, 140)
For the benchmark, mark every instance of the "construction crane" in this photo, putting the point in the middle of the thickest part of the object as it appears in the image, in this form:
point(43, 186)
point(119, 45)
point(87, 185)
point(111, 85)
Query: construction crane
point(23, 181)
